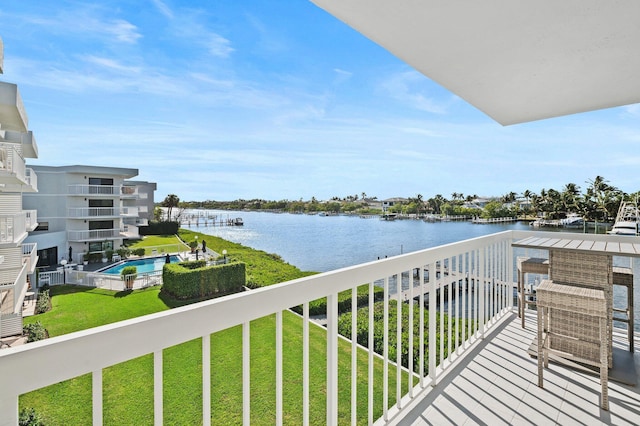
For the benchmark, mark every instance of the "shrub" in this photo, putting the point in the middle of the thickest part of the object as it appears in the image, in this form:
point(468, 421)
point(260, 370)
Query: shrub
point(138, 251)
point(123, 252)
point(108, 254)
point(319, 306)
point(30, 417)
point(182, 282)
point(129, 275)
point(43, 303)
point(35, 332)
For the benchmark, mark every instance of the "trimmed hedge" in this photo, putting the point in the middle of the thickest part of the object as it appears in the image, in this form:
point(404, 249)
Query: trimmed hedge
point(319, 306)
point(159, 228)
point(192, 280)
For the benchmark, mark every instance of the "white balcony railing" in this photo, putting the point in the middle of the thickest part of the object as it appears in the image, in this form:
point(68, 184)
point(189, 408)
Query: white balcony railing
point(93, 235)
point(129, 231)
point(14, 227)
point(31, 220)
point(462, 289)
point(129, 211)
point(12, 165)
point(93, 190)
point(479, 270)
point(31, 179)
point(13, 286)
point(14, 115)
point(30, 256)
point(93, 212)
point(129, 191)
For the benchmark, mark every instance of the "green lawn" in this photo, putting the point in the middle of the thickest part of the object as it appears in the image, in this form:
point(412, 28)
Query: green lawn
point(128, 390)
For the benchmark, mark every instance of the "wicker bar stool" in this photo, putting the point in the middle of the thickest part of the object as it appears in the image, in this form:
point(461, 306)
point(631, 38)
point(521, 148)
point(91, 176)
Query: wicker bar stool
point(624, 277)
point(528, 265)
point(573, 324)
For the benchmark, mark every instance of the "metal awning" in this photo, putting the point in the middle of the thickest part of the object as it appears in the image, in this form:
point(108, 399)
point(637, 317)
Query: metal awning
point(516, 61)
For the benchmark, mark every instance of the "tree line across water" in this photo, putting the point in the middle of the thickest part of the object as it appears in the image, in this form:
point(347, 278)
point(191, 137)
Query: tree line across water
point(599, 201)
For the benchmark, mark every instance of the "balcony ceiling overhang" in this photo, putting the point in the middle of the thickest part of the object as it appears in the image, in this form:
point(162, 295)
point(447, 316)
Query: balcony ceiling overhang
point(516, 61)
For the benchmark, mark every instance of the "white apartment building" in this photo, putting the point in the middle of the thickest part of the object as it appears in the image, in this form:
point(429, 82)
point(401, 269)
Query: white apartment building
point(86, 210)
point(17, 258)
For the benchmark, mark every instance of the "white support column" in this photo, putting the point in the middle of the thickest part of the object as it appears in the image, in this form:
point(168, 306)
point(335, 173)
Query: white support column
point(206, 380)
point(332, 359)
point(96, 400)
point(246, 374)
point(157, 388)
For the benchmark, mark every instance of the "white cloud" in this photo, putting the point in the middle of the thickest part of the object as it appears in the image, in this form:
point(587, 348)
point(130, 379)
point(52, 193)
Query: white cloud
point(408, 87)
point(163, 8)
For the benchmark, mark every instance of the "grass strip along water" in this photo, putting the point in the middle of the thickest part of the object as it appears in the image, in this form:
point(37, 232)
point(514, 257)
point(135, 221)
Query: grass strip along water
point(128, 395)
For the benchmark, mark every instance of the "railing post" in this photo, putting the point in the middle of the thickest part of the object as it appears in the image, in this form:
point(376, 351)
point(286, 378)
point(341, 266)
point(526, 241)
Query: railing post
point(9, 410)
point(432, 323)
point(305, 364)
point(206, 380)
point(481, 290)
point(157, 388)
point(96, 386)
point(332, 359)
point(279, 368)
point(246, 373)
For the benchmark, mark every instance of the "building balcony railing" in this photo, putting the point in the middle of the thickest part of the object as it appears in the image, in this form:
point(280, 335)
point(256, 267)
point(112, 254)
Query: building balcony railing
point(12, 165)
point(462, 290)
point(13, 287)
point(30, 256)
point(94, 190)
point(93, 235)
point(25, 140)
point(31, 220)
point(31, 181)
point(129, 231)
point(129, 211)
point(14, 116)
point(14, 227)
point(127, 191)
point(93, 212)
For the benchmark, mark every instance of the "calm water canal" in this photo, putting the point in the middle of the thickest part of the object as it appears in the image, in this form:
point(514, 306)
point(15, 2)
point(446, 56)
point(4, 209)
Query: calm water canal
point(324, 243)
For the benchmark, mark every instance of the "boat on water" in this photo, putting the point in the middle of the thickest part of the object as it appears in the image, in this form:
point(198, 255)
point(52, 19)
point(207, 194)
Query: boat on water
point(573, 220)
point(627, 219)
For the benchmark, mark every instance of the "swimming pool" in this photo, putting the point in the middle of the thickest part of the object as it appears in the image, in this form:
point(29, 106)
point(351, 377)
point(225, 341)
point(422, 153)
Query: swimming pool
point(148, 264)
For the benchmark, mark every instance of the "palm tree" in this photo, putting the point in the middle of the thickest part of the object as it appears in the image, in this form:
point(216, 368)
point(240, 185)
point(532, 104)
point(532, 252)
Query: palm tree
point(170, 201)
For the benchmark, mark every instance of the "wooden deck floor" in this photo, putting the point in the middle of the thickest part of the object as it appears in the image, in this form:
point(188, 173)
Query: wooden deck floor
point(497, 385)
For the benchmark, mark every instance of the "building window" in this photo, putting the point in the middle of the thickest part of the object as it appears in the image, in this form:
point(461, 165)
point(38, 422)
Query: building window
point(42, 226)
point(100, 181)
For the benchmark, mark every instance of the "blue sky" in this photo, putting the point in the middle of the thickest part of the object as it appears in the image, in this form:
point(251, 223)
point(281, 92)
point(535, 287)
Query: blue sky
point(277, 100)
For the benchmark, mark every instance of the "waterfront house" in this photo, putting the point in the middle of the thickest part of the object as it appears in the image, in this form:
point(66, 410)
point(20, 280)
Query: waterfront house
point(517, 62)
